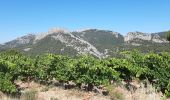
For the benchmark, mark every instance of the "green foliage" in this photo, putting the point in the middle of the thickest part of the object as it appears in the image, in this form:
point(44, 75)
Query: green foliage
point(153, 67)
point(7, 76)
point(57, 67)
point(167, 91)
point(122, 66)
point(85, 69)
point(93, 71)
point(24, 66)
point(14, 65)
point(61, 68)
point(42, 65)
point(6, 83)
point(138, 67)
point(159, 69)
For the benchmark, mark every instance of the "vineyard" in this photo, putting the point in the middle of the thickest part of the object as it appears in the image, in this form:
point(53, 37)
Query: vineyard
point(84, 69)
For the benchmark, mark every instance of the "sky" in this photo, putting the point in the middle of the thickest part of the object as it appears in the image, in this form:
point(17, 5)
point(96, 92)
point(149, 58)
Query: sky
point(20, 17)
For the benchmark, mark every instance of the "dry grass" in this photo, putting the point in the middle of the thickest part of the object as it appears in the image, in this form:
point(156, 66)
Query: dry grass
point(142, 93)
point(56, 93)
point(72, 94)
point(29, 95)
point(148, 93)
point(5, 97)
point(116, 95)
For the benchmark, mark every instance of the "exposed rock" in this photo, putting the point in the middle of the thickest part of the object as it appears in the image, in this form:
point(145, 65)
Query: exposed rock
point(77, 43)
point(137, 35)
point(40, 36)
point(116, 34)
point(25, 39)
point(155, 38)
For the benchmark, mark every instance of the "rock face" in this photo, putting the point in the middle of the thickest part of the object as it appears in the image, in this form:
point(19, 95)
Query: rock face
point(137, 35)
point(77, 43)
point(154, 37)
point(100, 43)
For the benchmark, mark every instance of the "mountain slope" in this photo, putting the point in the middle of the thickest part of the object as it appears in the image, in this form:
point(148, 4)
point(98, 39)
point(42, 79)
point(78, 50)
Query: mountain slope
point(55, 41)
point(101, 38)
point(100, 43)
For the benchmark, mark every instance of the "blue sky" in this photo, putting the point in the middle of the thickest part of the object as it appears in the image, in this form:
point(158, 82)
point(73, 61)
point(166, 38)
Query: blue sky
point(19, 17)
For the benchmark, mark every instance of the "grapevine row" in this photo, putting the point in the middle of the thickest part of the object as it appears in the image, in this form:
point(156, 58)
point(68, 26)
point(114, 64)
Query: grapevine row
point(84, 69)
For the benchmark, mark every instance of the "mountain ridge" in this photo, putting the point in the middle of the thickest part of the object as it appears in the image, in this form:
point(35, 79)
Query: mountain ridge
point(100, 43)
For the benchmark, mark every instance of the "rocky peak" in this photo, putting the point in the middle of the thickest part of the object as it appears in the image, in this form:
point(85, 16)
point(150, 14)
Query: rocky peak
point(58, 30)
point(50, 31)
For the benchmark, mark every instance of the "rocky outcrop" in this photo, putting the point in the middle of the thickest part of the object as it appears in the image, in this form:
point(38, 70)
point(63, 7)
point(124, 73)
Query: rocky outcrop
point(137, 35)
point(134, 36)
point(156, 38)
